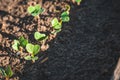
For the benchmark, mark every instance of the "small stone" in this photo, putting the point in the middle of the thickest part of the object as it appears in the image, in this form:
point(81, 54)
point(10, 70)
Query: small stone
point(43, 28)
point(44, 47)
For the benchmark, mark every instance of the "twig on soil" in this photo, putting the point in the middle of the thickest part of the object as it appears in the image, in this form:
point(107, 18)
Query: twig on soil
point(45, 59)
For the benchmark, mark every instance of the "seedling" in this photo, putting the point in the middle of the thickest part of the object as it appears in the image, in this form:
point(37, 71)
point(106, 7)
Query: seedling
point(19, 44)
point(31, 58)
point(78, 1)
point(33, 50)
point(7, 72)
point(35, 10)
point(67, 8)
point(40, 36)
point(56, 25)
point(65, 16)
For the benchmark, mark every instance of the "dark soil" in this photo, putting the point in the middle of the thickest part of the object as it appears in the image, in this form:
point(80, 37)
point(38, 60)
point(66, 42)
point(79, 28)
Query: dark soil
point(87, 48)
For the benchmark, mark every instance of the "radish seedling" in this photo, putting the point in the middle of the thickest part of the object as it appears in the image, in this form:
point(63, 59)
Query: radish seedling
point(39, 36)
point(56, 25)
point(65, 16)
point(35, 10)
point(7, 72)
point(19, 44)
point(33, 50)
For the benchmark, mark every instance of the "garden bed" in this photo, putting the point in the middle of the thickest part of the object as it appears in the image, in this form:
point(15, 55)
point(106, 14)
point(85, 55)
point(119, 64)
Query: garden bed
point(87, 48)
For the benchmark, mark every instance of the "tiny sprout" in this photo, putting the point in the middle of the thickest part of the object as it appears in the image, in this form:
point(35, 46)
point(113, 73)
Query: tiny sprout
point(31, 58)
point(16, 45)
point(78, 2)
point(65, 16)
point(56, 24)
point(7, 72)
point(21, 42)
point(39, 36)
point(67, 8)
point(35, 10)
point(33, 50)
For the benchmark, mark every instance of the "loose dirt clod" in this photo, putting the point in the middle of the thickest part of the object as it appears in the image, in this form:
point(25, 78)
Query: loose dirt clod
point(44, 47)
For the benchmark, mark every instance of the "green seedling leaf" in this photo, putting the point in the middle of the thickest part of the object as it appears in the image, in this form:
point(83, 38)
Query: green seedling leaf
point(2, 72)
point(31, 9)
point(35, 58)
point(36, 49)
point(78, 1)
point(65, 16)
point(16, 45)
point(57, 30)
point(28, 58)
point(35, 10)
point(32, 49)
point(65, 13)
point(23, 41)
point(39, 36)
point(31, 58)
point(9, 71)
point(56, 24)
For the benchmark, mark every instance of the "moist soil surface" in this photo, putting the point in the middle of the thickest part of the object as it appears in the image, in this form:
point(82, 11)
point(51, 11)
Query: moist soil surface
point(87, 48)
